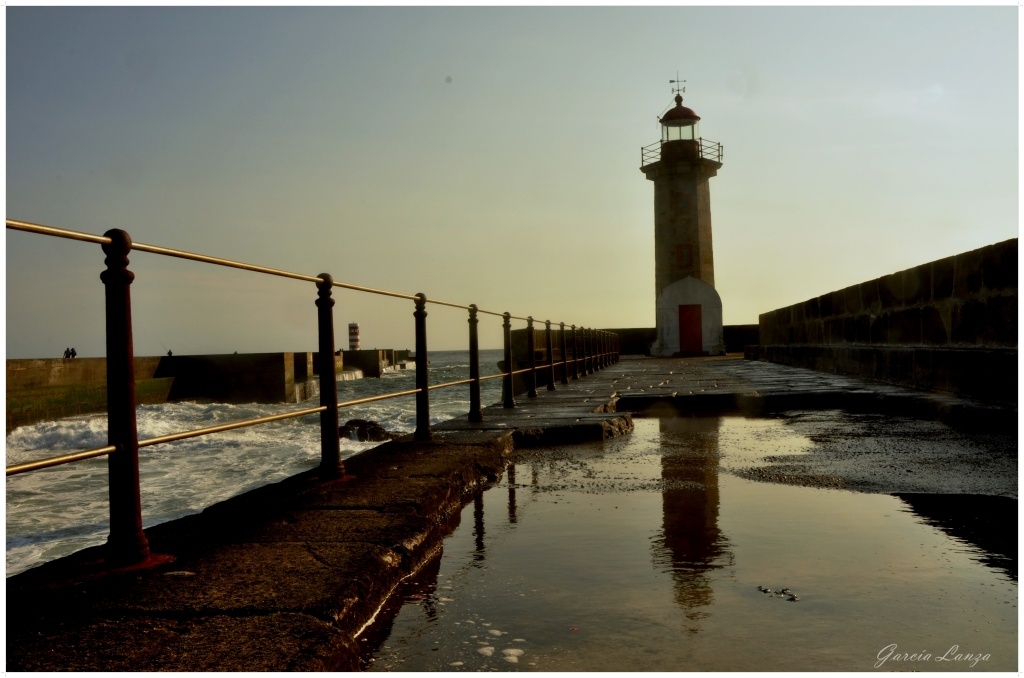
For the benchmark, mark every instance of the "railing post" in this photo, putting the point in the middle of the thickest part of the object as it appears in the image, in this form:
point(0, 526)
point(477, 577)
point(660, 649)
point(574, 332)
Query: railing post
point(588, 350)
point(509, 397)
point(474, 367)
point(583, 351)
point(531, 349)
point(551, 355)
point(127, 542)
point(575, 355)
point(331, 466)
point(565, 355)
point(422, 378)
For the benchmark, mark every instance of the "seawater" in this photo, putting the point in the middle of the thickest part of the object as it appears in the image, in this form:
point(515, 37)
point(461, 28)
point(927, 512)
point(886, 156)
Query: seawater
point(55, 512)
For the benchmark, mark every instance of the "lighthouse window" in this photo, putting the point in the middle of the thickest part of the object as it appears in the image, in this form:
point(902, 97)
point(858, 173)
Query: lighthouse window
point(679, 133)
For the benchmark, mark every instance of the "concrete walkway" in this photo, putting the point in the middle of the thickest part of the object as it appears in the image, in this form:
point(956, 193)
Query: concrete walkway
point(284, 578)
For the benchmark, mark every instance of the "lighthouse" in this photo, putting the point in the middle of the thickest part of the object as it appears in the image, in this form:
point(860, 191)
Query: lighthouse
point(689, 310)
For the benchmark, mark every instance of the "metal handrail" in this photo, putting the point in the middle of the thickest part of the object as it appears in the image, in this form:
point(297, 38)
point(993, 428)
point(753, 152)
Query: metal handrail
point(153, 249)
point(219, 261)
point(30, 227)
point(127, 542)
point(50, 462)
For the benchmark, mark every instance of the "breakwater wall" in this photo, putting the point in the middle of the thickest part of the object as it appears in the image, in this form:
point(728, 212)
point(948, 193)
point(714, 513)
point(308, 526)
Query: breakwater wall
point(375, 362)
point(946, 326)
point(46, 389)
point(638, 340)
point(243, 378)
point(43, 389)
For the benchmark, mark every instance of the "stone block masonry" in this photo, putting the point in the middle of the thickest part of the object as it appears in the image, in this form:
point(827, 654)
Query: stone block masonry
point(42, 389)
point(47, 389)
point(375, 362)
point(948, 326)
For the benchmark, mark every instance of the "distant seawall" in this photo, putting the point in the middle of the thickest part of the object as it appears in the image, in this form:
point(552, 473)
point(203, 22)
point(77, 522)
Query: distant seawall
point(43, 389)
point(949, 326)
point(46, 389)
point(638, 340)
point(632, 340)
point(40, 389)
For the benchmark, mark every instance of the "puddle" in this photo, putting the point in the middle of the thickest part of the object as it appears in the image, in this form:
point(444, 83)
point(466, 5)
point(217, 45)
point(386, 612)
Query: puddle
point(643, 554)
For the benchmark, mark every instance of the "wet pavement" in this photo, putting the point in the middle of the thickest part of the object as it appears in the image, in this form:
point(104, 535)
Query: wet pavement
point(650, 553)
point(286, 577)
point(874, 452)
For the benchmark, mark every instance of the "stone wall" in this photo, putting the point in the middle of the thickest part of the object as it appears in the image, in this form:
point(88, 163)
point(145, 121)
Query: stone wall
point(638, 340)
point(48, 389)
point(949, 326)
point(232, 378)
point(374, 362)
point(738, 337)
point(635, 340)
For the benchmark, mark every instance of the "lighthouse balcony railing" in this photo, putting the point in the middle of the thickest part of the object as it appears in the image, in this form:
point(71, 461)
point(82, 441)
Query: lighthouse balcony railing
point(707, 150)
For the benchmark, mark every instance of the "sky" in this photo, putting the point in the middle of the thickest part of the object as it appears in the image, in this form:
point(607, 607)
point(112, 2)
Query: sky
point(485, 155)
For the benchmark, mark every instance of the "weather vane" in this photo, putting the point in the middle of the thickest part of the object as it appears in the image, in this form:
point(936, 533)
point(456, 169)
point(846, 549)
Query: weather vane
point(677, 89)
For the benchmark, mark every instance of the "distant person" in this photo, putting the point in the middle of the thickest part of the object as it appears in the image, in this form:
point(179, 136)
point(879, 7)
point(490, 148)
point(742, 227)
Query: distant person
point(169, 354)
point(67, 353)
point(73, 352)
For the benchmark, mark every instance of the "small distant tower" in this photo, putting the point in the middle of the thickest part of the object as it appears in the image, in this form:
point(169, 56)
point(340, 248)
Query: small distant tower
point(353, 336)
point(689, 310)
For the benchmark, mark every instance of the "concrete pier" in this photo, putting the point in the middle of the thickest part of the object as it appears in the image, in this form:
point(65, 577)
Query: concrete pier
point(286, 577)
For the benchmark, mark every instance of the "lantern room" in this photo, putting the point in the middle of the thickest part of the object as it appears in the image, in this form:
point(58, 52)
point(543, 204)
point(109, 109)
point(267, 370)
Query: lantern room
point(679, 123)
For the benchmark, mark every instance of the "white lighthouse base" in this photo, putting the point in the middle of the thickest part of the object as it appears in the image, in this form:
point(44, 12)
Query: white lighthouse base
point(689, 320)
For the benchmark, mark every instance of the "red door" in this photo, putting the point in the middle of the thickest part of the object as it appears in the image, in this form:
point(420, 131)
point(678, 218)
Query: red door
point(690, 335)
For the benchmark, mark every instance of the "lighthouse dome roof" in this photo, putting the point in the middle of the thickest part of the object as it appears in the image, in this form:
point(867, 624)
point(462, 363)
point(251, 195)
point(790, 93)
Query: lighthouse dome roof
point(679, 114)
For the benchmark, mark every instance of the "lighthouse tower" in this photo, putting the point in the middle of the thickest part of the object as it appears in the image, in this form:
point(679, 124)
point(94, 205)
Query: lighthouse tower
point(689, 310)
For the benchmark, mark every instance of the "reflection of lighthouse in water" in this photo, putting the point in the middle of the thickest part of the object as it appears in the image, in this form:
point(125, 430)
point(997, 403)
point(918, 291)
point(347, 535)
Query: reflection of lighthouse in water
point(690, 543)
